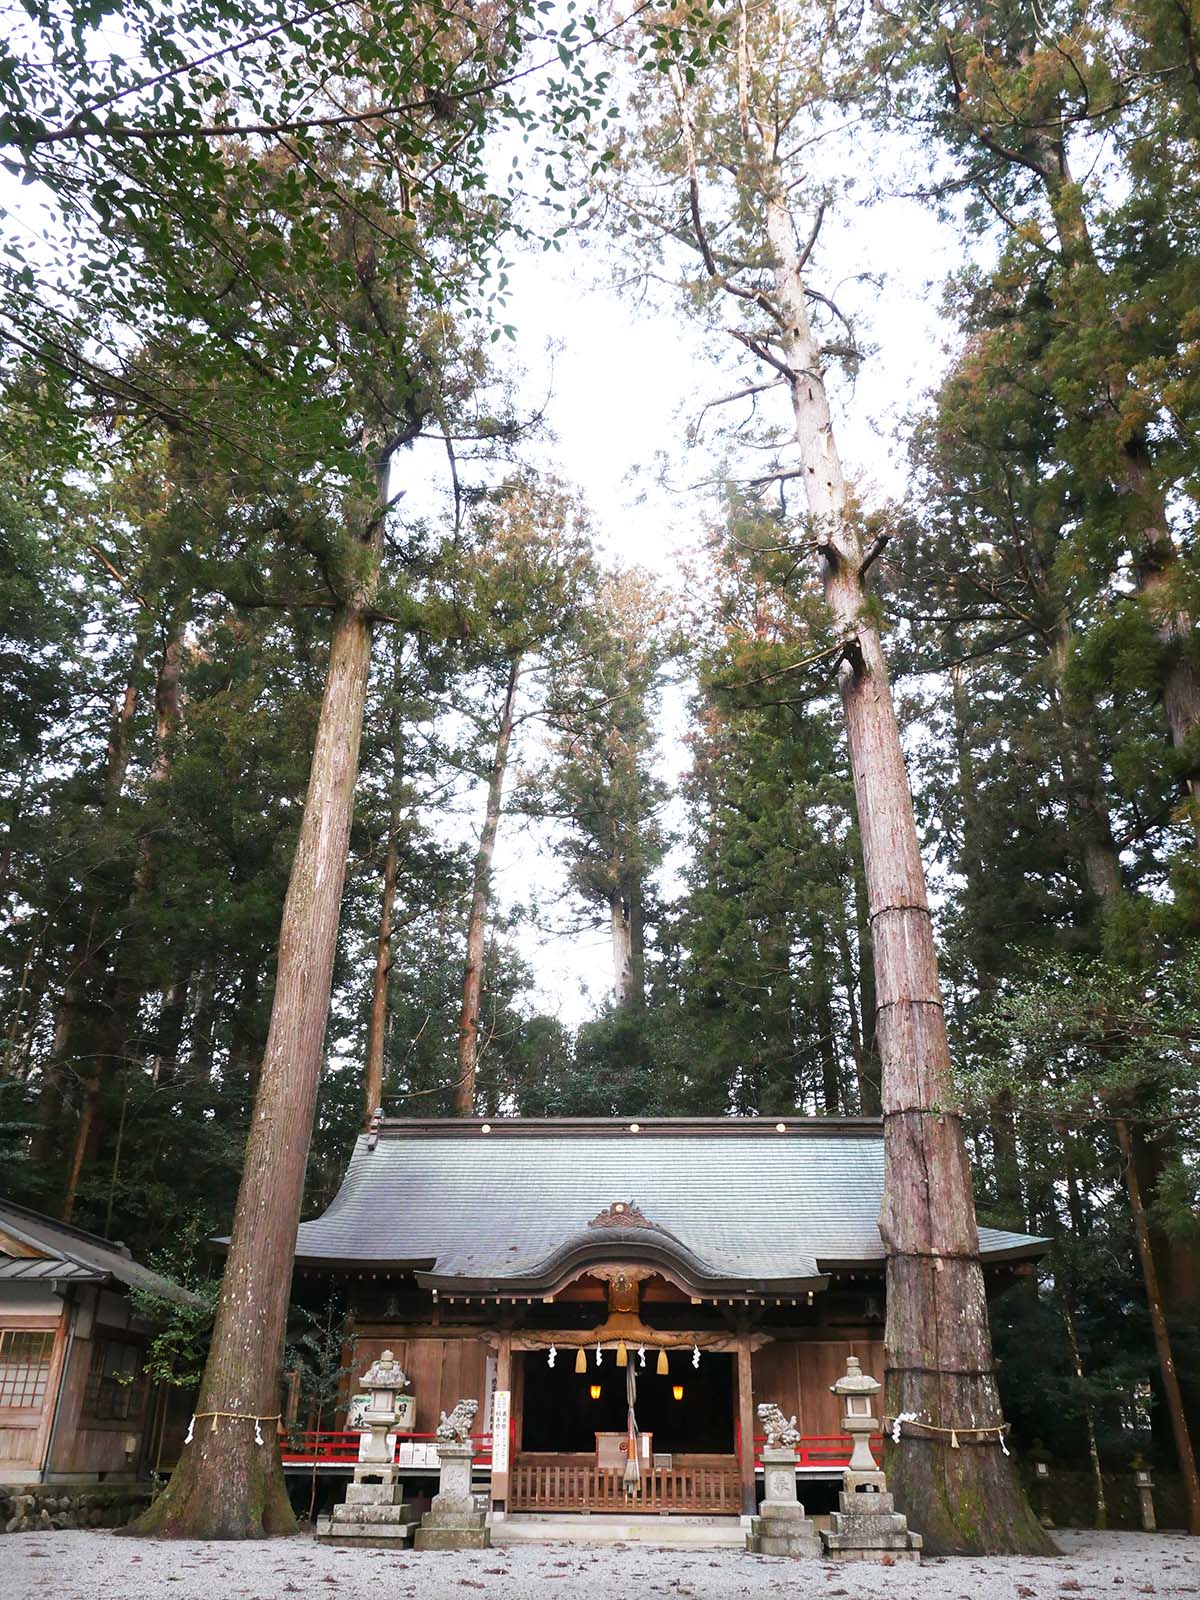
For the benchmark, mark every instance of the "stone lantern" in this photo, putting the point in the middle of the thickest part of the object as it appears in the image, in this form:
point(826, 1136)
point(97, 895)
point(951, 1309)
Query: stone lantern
point(1144, 1482)
point(1040, 1457)
point(383, 1382)
point(374, 1514)
point(866, 1526)
point(858, 1389)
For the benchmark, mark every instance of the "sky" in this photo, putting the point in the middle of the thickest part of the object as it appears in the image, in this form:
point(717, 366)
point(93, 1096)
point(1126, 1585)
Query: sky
point(624, 379)
point(624, 375)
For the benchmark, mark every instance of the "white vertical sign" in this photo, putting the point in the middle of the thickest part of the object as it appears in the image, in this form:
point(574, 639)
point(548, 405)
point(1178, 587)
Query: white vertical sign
point(491, 1373)
point(500, 1405)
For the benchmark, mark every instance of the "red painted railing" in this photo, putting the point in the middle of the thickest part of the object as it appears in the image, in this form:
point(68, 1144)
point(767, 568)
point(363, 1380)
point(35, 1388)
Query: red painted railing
point(334, 1448)
point(828, 1450)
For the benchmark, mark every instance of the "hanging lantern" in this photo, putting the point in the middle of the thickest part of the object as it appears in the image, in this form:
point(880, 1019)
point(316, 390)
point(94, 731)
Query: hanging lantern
point(580, 1360)
point(677, 1391)
point(552, 1357)
point(663, 1367)
point(622, 1355)
point(594, 1391)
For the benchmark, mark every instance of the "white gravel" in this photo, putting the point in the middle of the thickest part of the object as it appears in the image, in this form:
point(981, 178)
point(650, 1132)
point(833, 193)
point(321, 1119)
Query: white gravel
point(99, 1566)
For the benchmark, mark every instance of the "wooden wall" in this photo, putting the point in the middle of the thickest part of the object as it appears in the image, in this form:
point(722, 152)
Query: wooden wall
point(796, 1375)
point(442, 1371)
point(85, 1446)
point(25, 1432)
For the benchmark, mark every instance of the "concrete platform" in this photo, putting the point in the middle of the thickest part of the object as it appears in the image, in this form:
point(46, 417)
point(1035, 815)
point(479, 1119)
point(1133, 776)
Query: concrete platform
point(601, 1528)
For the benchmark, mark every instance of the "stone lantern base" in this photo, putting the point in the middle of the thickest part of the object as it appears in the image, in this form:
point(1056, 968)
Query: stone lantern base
point(781, 1528)
point(867, 1526)
point(453, 1521)
point(373, 1515)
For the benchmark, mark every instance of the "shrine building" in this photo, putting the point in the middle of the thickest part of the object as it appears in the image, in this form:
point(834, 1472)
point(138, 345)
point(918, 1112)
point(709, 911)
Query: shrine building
point(530, 1264)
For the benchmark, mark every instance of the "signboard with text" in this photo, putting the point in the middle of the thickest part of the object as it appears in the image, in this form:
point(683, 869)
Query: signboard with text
point(500, 1415)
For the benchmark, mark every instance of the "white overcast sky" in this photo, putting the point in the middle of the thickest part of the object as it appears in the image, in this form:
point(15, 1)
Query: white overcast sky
point(625, 381)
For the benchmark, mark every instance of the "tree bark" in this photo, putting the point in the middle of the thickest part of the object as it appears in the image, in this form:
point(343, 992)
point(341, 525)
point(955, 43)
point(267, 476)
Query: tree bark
point(621, 926)
point(377, 1021)
point(937, 1343)
point(870, 1085)
point(481, 899)
point(227, 1486)
point(1162, 1338)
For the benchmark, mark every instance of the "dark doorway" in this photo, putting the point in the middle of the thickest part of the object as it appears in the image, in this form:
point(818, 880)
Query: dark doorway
point(560, 1415)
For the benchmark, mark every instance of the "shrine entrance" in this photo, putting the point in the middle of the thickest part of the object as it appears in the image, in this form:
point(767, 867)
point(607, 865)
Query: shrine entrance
point(561, 1414)
point(572, 1429)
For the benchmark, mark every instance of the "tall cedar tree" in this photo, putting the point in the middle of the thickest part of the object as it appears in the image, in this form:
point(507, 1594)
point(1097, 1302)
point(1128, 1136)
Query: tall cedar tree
point(731, 136)
point(348, 304)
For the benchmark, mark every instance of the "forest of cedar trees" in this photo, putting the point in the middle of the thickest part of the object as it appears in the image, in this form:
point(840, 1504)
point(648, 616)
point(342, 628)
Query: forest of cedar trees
point(308, 635)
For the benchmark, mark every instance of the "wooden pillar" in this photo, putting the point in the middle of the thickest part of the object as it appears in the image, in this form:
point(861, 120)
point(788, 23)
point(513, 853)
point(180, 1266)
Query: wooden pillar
point(504, 1369)
point(745, 1403)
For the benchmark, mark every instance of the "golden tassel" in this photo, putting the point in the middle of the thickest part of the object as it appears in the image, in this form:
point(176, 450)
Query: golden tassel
point(663, 1367)
point(580, 1360)
point(622, 1355)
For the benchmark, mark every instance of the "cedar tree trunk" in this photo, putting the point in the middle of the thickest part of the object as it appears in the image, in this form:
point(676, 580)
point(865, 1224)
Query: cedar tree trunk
point(226, 1486)
point(1162, 1339)
point(377, 1022)
point(937, 1343)
point(481, 896)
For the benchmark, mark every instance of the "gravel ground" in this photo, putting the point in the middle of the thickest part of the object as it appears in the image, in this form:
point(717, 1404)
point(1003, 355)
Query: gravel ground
point(99, 1566)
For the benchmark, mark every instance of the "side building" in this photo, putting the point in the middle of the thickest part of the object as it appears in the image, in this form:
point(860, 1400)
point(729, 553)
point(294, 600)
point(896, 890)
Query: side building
point(562, 1271)
point(75, 1406)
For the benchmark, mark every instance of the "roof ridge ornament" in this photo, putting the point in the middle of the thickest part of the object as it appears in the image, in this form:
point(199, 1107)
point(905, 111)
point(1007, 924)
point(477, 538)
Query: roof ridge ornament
point(621, 1214)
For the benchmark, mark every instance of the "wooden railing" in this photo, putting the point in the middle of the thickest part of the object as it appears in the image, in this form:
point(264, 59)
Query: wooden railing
point(565, 1486)
point(832, 1450)
point(339, 1448)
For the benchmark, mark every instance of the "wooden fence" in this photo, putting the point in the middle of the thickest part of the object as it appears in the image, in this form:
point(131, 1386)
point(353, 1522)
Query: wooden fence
point(568, 1486)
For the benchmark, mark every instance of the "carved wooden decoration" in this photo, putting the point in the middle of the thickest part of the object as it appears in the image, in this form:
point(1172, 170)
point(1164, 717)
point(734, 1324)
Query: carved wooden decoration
point(621, 1214)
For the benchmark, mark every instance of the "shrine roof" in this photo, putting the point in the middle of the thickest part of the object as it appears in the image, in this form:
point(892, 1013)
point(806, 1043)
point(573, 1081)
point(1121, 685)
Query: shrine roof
point(517, 1204)
point(37, 1249)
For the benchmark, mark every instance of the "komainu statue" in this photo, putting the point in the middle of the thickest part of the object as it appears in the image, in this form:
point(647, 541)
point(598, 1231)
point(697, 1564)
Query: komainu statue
point(781, 1433)
point(456, 1428)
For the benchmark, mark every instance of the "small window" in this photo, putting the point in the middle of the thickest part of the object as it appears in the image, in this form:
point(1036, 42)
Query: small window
point(113, 1392)
point(24, 1368)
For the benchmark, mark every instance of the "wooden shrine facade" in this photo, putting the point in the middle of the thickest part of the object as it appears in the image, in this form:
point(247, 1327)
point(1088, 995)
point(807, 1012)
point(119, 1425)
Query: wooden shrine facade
point(537, 1266)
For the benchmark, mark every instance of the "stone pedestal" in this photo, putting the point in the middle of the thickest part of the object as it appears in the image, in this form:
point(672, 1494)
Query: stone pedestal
point(373, 1516)
point(453, 1521)
point(781, 1528)
point(867, 1526)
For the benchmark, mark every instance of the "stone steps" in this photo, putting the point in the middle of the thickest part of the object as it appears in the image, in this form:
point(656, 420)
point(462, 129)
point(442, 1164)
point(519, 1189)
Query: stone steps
point(664, 1533)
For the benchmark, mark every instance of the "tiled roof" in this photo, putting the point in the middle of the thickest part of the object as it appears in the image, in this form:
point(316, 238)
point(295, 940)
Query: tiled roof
point(735, 1200)
point(63, 1254)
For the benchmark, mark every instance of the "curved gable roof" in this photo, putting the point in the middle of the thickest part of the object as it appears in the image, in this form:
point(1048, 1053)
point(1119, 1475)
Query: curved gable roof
point(732, 1203)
